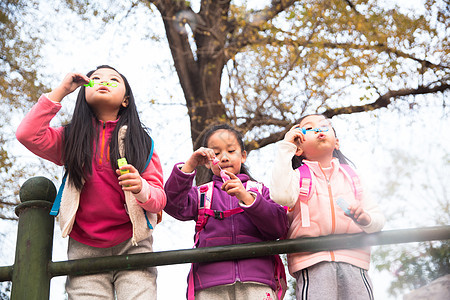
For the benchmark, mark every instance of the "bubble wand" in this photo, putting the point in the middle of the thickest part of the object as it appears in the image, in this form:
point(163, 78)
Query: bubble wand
point(224, 176)
point(318, 129)
point(91, 84)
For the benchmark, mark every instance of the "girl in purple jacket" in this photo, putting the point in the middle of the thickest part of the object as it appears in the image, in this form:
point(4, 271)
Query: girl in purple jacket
point(258, 219)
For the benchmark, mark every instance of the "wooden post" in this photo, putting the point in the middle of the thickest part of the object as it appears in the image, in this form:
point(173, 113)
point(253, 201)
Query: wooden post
point(31, 278)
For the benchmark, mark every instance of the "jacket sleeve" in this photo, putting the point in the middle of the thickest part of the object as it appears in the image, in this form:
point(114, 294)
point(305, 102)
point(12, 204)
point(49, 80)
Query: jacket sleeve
point(374, 211)
point(285, 186)
point(269, 217)
point(35, 133)
point(182, 196)
point(152, 196)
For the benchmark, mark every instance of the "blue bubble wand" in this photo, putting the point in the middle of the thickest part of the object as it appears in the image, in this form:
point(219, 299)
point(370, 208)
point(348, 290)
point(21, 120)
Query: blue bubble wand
point(318, 129)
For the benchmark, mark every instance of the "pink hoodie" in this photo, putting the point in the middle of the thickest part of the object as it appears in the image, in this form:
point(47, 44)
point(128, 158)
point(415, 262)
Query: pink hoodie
point(326, 217)
point(101, 219)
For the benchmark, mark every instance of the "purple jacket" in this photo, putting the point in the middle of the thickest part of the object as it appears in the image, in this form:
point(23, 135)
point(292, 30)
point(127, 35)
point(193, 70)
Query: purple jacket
point(264, 220)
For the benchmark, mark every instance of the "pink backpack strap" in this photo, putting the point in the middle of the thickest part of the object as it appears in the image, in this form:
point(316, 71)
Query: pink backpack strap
point(305, 183)
point(253, 186)
point(191, 290)
point(205, 211)
point(354, 178)
point(305, 194)
point(205, 194)
point(280, 277)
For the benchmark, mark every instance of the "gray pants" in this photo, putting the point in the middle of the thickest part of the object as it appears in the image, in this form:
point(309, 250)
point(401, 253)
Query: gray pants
point(333, 281)
point(237, 291)
point(125, 285)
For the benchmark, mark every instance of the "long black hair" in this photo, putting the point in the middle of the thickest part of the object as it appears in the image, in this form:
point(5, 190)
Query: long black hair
point(239, 137)
point(84, 130)
point(297, 161)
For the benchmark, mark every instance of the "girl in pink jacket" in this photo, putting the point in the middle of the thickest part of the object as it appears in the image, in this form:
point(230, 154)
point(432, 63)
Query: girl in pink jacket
point(312, 177)
point(103, 210)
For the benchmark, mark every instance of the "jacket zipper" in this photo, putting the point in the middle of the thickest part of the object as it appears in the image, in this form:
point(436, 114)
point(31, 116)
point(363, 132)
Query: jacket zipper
point(102, 143)
point(236, 269)
point(333, 215)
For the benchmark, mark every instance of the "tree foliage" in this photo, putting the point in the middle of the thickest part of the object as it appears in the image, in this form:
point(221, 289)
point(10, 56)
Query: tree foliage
point(5, 289)
point(414, 267)
point(19, 85)
point(285, 58)
point(19, 57)
point(260, 65)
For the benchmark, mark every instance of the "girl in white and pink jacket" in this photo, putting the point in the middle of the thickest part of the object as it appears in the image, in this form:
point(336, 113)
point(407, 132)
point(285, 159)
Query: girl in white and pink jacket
point(312, 177)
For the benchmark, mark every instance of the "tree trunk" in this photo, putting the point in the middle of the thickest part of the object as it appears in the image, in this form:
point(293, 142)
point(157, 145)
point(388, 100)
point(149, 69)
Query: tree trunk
point(200, 73)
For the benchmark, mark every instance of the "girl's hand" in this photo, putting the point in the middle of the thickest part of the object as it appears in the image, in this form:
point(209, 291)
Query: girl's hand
point(358, 215)
point(130, 181)
point(69, 84)
point(295, 136)
point(202, 156)
point(234, 187)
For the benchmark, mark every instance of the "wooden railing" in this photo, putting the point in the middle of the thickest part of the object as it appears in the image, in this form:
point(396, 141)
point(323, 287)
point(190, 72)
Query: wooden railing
point(33, 268)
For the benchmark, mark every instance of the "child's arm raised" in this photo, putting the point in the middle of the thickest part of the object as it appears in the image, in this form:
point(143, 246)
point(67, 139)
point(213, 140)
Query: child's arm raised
point(69, 84)
point(285, 187)
point(35, 133)
point(295, 136)
point(182, 196)
point(201, 156)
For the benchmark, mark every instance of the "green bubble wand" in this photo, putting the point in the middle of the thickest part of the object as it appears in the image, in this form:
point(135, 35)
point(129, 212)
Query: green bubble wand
point(110, 84)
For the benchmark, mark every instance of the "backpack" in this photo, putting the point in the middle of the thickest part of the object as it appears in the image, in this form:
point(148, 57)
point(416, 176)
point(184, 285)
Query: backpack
point(57, 203)
point(205, 194)
point(306, 183)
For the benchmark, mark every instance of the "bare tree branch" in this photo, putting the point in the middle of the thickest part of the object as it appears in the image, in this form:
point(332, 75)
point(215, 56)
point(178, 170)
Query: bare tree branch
point(249, 32)
point(272, 138)
point(4, 217)
point(352, 6)
point(385, 100)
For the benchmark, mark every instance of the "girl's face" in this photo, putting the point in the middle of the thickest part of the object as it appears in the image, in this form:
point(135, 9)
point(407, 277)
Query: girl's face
point(107, 95)
point(227, 149)
point(318, 146)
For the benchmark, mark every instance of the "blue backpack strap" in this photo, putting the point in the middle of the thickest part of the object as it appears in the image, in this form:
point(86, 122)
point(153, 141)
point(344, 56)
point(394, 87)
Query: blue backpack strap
point(146, 165)
point(57, 203)
point(148, 221)
point(150, 155)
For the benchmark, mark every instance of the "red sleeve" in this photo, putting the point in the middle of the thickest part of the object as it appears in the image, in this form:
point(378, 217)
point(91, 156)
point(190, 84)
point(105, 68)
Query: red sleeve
point(35, 133)
point(152, 196)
